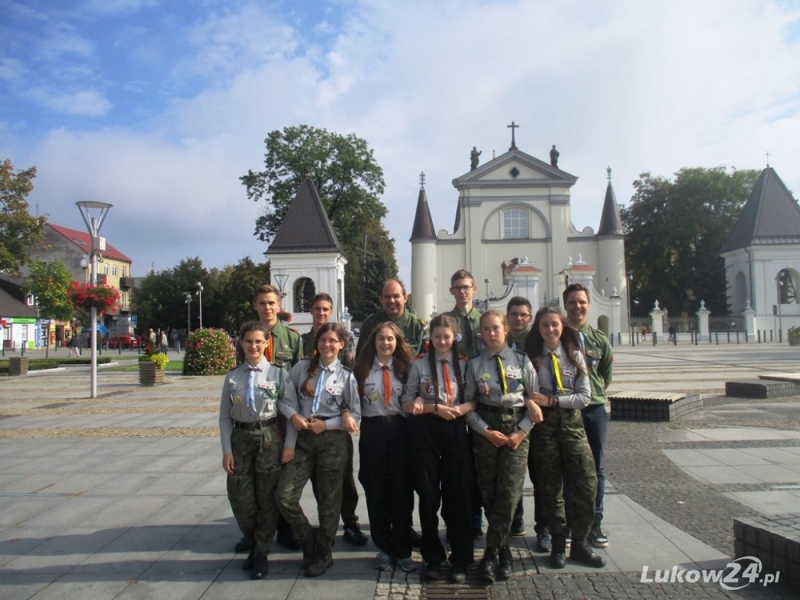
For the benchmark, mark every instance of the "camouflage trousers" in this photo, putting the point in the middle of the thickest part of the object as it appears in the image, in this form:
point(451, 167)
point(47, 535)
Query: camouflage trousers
point(321, 456)
point(500, 473)
point(562, 452)
point(251, 488)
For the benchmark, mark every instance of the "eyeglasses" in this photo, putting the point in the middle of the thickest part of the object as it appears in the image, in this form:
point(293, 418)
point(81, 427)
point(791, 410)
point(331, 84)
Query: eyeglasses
point(462, 288)
point(516, 315)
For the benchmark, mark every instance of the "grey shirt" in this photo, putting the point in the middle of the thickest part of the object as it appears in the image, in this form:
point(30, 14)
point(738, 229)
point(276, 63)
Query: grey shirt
point(483, 385)
point(420, 382)
point(339, 392)
point(372, 396)
point(577, 393)
point(270, 386)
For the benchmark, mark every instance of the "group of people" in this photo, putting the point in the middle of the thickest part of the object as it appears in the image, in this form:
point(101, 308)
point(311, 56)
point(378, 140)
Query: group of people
point(457, 413)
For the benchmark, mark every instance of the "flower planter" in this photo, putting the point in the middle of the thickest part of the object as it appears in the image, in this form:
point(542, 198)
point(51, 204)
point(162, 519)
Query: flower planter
point(18, 365)
point(149, 373)
point(794, 340)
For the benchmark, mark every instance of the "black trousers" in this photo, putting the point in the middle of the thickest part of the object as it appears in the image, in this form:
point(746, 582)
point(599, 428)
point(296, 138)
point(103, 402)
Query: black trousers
point(385, 473)
point(443, 474)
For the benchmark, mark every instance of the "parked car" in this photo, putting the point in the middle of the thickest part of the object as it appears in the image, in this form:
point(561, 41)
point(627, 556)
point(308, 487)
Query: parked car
point(123, 341)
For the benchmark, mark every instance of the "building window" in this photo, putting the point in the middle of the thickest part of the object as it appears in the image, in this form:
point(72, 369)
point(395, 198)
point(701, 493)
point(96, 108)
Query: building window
point(515, 224)
point(30, 300)
point(123, 301)
point(105, 269)
point(124, 272)
point(114, 270)
point(304, 291)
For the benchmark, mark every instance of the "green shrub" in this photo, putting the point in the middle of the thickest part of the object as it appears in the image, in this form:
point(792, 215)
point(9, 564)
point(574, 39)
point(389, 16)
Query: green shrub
point(209, 352)
point(38, 364)
point(83, 360)
point(153, 354)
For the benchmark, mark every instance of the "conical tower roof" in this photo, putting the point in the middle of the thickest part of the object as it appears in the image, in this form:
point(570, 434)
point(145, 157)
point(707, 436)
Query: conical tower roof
point(769, 217)
point(423, 223)
point(306, 227)
point(610, 221)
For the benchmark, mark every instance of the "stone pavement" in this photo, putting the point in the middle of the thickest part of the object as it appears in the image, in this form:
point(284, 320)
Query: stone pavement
point(124, 497)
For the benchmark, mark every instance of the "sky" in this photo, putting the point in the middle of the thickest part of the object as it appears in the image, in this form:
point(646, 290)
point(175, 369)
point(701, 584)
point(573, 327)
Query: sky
point(158, 107)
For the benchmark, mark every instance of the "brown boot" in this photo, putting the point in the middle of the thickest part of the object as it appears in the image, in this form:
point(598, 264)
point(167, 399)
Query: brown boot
point(323, 559)
point(308, 547)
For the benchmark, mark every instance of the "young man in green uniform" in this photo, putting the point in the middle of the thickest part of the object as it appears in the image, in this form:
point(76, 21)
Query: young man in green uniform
point(463, 288)
point(393, 299)
point(321, 312)
point(599, 361)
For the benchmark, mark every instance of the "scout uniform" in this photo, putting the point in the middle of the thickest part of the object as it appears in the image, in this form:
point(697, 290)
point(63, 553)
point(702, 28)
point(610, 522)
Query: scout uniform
point(321, 456)
point(442, 464)
point(412, 328)
point(346, 354)
point(561, 446)
point(248, 430)
point(501, 397)
point(517, 343)
point(385, 451)
point(469, 325)
point(284, 346)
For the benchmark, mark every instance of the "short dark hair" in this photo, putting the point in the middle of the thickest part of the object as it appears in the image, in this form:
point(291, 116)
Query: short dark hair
point(321, 296)
point(575, 287)
point(518, 301)
point(461, 274)
point(266, 289)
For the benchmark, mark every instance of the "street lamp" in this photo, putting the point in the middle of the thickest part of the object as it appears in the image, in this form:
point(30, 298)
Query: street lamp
point(630, 325)
point(780, 283)
point(280, 279)
point(200, 297)
point(188, 296)
point(94, 213)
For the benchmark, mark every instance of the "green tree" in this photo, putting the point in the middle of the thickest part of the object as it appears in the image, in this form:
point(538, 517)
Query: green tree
point(49, 283)
point(674, 233)
point(232, 304)
point(349, 181)
point(18, 229)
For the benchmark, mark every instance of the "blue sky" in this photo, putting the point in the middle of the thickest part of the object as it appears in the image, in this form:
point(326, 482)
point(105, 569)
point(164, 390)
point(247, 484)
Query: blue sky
point(158, 107)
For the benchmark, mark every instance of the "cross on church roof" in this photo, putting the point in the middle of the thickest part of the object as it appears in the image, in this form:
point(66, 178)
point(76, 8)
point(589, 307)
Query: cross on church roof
point(513, 126)
point(608, 170)
point(767, 159)
point(422, 180)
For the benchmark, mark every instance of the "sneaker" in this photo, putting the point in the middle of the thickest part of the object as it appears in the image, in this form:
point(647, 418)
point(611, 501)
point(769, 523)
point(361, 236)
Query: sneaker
point(543, 541)
point(354, 535)
point(432, 570)
point(518, 528)
point(382, 561)
point(598, 538)
point(407, 564)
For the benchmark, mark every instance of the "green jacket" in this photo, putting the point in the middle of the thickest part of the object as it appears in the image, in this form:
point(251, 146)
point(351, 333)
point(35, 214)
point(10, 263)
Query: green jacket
point(412, 328)
point(469, 325)
point(599, 361)
point(287, 347)
point(517, 343)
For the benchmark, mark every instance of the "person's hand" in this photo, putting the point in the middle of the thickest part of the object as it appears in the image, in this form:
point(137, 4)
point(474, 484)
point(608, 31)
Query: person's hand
point(299, 422)
point(287, 455)
point(540, 399)
point(348, 422)
point(417, 407)
point(495, 437)
point(515, 439)
point(534, 412)
point(227, 463)
point(317, 426)
point(448, 413)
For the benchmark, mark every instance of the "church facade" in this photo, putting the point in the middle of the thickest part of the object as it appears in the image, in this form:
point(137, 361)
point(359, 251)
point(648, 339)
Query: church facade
point(513, 231)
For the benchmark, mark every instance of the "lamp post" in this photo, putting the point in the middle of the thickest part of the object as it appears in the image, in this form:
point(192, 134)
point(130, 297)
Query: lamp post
point(200, 298)
point(779, 281)
point(280, 279)
point(630, 326)
point(94, 213)
point(188, 296)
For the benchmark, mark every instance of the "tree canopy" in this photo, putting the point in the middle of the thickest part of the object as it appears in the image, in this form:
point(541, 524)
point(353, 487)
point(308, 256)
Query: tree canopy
point(674, 233)
point(49, 283)
point(18, 229)
point(349, 181)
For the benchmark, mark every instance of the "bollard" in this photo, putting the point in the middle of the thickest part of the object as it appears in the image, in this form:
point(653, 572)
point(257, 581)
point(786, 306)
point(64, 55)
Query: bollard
point(759, 336)
point(22, 349)
point(655, 340)
point(716, 335)
point(770, 335)
point(737, 336)
point(780, 336)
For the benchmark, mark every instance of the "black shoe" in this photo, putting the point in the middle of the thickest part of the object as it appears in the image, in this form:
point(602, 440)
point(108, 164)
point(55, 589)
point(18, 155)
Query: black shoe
point(243, 545)
point(458, 574)
point(415, 539)
point(432, 570)
point(598, 538)
point(558, 558)
point(354, 535)
point(247, 565)
point(505, 563)
point(581, 552)
point(260, 566)
point(543, 541)
point(488, 566)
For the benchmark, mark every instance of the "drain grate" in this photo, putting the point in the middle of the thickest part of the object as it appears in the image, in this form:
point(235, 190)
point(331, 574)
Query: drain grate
point(472, 589)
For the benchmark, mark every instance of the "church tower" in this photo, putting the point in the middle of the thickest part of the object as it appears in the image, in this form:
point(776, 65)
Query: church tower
point(611, 248)
point(423, 257)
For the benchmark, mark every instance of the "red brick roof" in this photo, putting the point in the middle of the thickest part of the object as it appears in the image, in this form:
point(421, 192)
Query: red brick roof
point(83, 240)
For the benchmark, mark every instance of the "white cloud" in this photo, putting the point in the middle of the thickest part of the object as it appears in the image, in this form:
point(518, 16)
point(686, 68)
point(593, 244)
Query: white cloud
point(81, 103)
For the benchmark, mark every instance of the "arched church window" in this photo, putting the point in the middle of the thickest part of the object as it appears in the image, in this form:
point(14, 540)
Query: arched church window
point(515, 224)
point(787, 291)
point(304, 291)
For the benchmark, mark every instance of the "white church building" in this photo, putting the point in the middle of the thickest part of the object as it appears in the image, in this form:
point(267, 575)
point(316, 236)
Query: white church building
point(513, 231)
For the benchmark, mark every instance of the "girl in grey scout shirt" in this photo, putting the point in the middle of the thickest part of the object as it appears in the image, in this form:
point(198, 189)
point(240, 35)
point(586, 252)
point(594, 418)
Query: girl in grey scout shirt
point(385, 445)
point(251, 444)
point(501, 380)
point(325, 408)
point(562, 449)
point(442, 466)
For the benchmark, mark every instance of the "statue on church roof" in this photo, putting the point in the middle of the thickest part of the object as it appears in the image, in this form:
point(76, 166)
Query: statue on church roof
point(474, 158)
point(554, 154)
